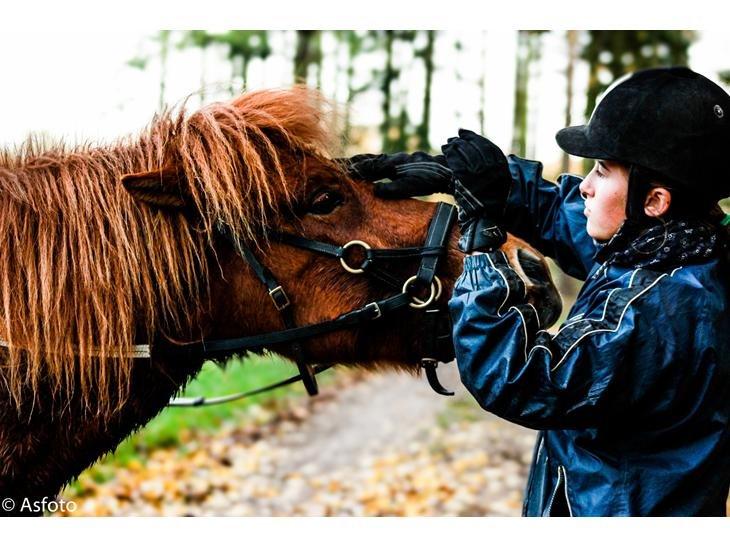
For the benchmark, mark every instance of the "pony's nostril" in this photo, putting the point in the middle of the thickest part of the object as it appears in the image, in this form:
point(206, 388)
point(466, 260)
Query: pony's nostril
point(550, 306)
point(543, 293)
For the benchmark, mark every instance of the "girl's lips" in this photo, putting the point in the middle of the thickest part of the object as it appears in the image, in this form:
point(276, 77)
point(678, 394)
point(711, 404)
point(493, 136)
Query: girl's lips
point(586, 211)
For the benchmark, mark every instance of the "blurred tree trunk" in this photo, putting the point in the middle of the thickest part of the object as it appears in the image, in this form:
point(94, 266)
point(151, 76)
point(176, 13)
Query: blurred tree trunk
point(199, 39)
point(318, 58)
point(203, 67)
point(307, 53)
point(243, 46)
point(483, 85)
point(400, 142)
point(164, 39)
point(572, 42)
point(427, 55)
point(388, 78)
point(239, 68)
point(245, 60)
point(234, 73)
point(355, 43)
point(529, 46)
point(354, 47)
point(531, 111)
point(519, 125)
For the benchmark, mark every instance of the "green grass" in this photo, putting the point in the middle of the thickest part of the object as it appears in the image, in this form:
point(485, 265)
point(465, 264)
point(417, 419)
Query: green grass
point(460, 409)
point(166, 429)
point(173, 425)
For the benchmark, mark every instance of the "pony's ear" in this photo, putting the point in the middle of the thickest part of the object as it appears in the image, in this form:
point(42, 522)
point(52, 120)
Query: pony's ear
point(163, 188)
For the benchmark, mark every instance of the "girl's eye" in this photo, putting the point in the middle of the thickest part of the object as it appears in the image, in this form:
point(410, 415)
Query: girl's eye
point(325, 202)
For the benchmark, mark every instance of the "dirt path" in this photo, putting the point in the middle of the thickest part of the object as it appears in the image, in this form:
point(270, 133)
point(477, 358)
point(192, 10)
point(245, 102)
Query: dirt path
point(384, 414)
point(384, 445)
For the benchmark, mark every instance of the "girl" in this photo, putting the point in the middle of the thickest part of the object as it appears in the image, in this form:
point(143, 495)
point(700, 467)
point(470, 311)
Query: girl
point(632, 394)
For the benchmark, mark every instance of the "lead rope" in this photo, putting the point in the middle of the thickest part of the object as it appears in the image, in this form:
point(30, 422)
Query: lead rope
point(203, 401)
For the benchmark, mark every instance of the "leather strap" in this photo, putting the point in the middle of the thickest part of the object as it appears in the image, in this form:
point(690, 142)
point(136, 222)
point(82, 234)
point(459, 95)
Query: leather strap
point(438, 234)
point(435, 247)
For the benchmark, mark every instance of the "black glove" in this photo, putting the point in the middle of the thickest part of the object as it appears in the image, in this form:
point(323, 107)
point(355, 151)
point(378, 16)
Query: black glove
point(417, 174)
point(482, 182)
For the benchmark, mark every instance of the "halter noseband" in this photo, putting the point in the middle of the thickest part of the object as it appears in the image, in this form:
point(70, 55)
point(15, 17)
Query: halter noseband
point(430, 253)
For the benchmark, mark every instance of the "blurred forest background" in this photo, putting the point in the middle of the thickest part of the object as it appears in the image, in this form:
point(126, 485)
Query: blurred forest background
point(386, 80)
point(398, 89)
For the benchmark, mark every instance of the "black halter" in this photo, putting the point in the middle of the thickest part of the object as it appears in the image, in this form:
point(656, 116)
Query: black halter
point(430, 253)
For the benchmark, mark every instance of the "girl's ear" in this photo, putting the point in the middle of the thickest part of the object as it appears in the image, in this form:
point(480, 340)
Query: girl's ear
point(164, 188)
point(657, 202)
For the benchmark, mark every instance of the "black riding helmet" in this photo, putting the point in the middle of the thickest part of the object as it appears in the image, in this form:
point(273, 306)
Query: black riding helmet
point(668, 124)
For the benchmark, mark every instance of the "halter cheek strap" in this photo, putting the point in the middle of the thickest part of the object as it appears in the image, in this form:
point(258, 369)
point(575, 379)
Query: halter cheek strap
point(282, 304)
point(435, 247)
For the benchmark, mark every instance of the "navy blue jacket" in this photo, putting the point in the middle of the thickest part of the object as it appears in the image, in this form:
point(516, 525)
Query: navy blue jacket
point(632, 395)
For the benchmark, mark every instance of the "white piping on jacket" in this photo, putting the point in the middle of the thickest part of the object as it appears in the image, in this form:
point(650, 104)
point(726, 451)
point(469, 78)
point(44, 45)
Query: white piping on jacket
point(618, 324)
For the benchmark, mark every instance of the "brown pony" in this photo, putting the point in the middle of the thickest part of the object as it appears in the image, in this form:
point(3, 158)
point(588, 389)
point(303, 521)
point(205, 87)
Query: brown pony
point(108, 247)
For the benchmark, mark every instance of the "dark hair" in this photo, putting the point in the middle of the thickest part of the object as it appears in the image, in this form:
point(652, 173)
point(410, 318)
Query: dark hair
point(685, 203)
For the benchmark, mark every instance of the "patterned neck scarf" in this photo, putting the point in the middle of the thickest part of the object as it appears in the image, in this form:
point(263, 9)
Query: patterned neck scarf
point(673, 243)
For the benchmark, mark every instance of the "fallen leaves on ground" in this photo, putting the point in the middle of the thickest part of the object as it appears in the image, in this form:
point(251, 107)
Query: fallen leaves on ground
point(458, 466)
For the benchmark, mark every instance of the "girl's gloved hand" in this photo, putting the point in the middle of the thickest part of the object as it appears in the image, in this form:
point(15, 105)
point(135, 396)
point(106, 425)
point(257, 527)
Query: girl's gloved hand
point(481, 181)
point(417, 174)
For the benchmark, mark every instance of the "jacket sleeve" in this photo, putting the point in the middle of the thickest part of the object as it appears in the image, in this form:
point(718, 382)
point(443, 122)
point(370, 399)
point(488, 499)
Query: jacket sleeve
point(549, 216)
point(575, 379)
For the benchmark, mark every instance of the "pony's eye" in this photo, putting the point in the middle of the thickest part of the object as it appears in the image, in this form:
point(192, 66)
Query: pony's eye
point(325, 202)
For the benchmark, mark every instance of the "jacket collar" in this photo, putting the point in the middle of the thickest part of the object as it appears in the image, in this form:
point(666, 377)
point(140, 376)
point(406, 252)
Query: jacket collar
point(660, 246)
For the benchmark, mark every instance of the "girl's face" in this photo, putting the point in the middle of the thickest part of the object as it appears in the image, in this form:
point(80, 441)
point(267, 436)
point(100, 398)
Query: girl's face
point(605, 191)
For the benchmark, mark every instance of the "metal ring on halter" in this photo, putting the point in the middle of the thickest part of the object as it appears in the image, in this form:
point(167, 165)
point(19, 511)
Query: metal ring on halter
point(418, 303)
point(439, 287)
point(342, 259)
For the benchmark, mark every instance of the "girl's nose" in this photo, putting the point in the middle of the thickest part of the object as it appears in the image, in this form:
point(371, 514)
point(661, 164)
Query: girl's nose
point(583, 188)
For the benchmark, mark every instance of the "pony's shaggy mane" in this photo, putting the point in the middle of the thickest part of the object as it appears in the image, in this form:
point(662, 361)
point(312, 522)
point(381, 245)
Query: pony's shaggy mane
point(88, 272)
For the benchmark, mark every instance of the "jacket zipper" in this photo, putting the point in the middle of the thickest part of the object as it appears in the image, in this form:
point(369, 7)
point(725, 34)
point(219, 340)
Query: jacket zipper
point(562, 479)
point(531, 479)
point(601, 269)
